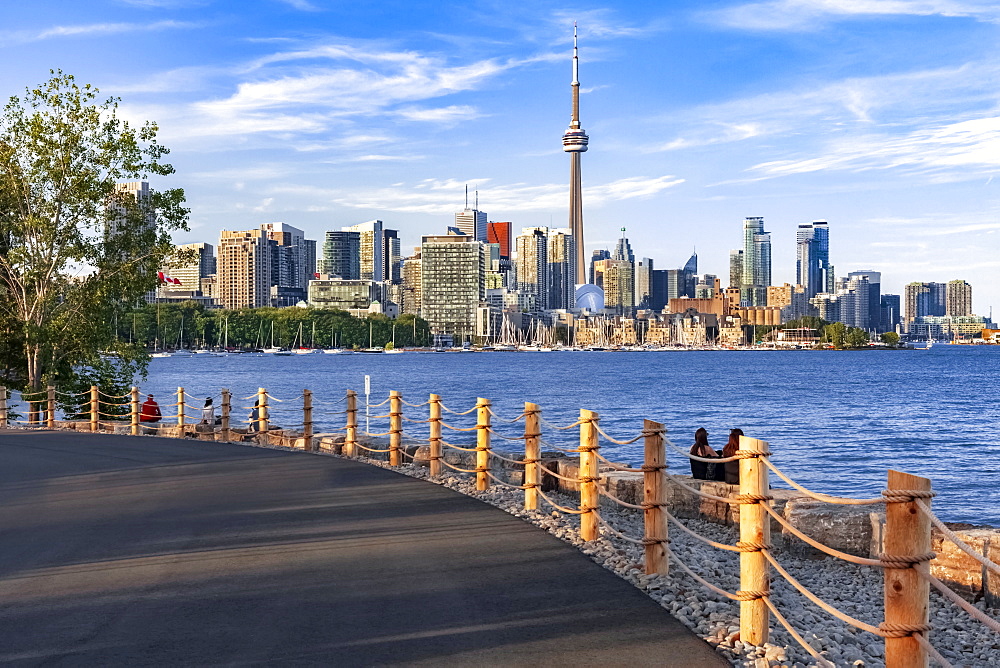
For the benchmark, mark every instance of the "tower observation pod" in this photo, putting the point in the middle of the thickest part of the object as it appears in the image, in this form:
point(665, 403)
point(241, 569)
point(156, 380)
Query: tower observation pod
point(575, 142)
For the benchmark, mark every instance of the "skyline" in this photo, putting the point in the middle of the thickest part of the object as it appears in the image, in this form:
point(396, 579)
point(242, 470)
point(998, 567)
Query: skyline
point(880, 117)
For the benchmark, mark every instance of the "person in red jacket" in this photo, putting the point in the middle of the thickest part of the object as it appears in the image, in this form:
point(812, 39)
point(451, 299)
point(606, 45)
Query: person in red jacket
point(150, 411)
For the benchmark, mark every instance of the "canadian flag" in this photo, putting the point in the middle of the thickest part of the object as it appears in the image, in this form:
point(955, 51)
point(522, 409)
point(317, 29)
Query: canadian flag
point(163, 278)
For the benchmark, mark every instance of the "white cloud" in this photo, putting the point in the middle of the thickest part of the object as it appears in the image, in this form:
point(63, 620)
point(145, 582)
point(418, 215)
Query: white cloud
point(439, 196)
point(811, 14)
point(450, 114)
point(95, 29)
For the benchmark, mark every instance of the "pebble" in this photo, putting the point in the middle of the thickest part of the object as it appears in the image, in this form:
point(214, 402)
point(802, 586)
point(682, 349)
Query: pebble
point(853, 589)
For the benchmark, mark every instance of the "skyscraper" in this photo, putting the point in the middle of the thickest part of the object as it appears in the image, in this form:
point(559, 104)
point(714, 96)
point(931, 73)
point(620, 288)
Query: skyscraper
point(294, 262)
point(199, 263)
point(562, 269)
point(243, 267)
point(643, 283)
point(391, 257)
point(372, 240)
point(735, 268)
point(575, 142)
point(958, 298)
point(873, 305)
point(756, 262)
point(812, 263)
point(453, 269)
point(623, 250)
point(340, 255)
point(596, 256)
point(499, 233)
point(532, 265)
point(472, 222)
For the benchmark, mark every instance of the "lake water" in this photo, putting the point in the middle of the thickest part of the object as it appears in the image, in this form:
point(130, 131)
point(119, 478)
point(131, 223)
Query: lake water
point(835, 420)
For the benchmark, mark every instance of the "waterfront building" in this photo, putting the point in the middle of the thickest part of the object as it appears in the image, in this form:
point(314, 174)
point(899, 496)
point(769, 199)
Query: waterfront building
point(735, 268)
point(337, 293)
point(869, 312)
point(597, 256)
point(293, 261)
point(791, 299)
point(244, 265)
point(889, 313)
point(391, 257)
point(958, 298)
point(615, 278)
point(575, 142)
point(532, 263)
point(192, 263)
point(340, 255)
point(854, 296)
point(499, 233)
point(644, 283)
point(412, 283)
point(922, 299)
point(371, 255)
point(946, 327)
point(756, 262)
point(826, 306)
point(562, 269)
point(812, 264)
point(452, 283)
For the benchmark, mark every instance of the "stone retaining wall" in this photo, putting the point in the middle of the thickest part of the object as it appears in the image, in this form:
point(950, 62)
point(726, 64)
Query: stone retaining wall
point(857, 530)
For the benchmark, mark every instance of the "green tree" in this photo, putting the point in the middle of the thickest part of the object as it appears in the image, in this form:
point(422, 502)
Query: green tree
point(835, 333)
point(856, 338)
point(890, 339)
point(76, 250)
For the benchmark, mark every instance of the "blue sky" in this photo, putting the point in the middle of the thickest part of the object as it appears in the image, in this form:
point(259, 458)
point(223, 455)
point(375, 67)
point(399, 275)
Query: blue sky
point(881, 116)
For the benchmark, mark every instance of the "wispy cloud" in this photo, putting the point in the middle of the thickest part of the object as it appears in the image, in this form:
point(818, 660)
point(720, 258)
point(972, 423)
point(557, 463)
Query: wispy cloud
point(812, 14)
point(438, 196)
point(301, 5)
point(90, 29)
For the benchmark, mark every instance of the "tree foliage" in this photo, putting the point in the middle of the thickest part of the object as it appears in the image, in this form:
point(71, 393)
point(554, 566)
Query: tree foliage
point(76, 250)
point(890, 338)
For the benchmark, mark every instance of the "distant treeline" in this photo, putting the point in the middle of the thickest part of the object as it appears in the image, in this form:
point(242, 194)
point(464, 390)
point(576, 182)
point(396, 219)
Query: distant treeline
point(190, 325)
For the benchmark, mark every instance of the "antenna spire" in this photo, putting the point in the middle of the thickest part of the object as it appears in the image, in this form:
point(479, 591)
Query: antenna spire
point(466, 195)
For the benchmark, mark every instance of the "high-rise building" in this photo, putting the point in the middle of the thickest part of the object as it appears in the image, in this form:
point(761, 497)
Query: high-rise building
point(142, 217)
point(412, 283)
point(499, 233)
point(856, 311)
point(243, 269)
point(391, 256)
point(340, 255)
point(873, 306)
point(812, 263)
point(596, 256)
point(575, 142)
point(615, 277)
point(735, 268)
point(294, 263)
point(924, 299)
point(562, 269)
point(644, 283)
point(890, 313)
point(371, 244)
point(472, 222)
point(958, 298)
point(452, 283)
point(623, 250)
point(532, 264)
point(196, 261)
point(659, 289)
point(756, 262)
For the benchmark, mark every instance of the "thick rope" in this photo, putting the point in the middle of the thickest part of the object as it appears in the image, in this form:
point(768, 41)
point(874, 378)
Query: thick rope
point(510, 421)
point(978, 614)
point(113, 396)
point(825, 663)
point(504, 483)
point(616, 532)
point(458, 447)
point(379, 404)
point(930, 649)
point(445, 424)
point(548, 424)
point(511, 461)
point(606, 493)
point(358, 445)
point(721, 546)
point(953, 537)
point(818, 601)
point(457, 413)
point(407, 403)
point(506, 438)
point(605, 434)
point(703, 582)
point(455, 468)
point(555, 505)
point(820, 546)
point(841, 500)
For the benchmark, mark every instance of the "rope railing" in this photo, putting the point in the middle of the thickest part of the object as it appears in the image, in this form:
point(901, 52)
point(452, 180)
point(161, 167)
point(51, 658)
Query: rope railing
point(906, 499)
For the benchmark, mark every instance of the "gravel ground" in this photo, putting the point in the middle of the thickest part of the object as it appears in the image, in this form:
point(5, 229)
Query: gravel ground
point(855, 590)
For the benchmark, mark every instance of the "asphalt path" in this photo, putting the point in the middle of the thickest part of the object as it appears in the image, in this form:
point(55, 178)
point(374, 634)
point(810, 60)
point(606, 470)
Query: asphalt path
point(119, 550)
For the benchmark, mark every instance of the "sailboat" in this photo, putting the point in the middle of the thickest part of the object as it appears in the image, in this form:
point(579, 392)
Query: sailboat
point(273, 350)
point(394, 350)
point(371, 348)
point(181, 352)
point(333, 349)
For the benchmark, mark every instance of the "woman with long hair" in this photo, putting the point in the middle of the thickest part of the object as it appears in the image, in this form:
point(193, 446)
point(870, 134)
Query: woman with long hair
point(732, 468)
point(701, 448)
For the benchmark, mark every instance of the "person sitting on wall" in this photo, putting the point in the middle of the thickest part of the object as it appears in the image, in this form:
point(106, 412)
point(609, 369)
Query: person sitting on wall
point(701, 448)
point(255, 416)
point(731, 470)
point(150, 411)
point(208, 412)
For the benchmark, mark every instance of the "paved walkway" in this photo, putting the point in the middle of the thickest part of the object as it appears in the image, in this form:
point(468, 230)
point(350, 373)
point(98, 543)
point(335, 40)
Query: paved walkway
point(120, 550)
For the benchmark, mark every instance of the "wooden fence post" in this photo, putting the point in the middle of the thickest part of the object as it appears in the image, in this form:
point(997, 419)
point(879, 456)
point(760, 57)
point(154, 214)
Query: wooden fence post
point(307, 420)
point(532, 455)
point(50, 420)
point(755, 529)
point(395, 426)
point(482, 444)
point(95, 407)
point(3, 407)
point(590, 498)
point(180, 410)
point(226, 409)
point(351, 430)
point(262, 416)
point(434, 437)
point(134, 410)
point(654, 498)
point(907, 534)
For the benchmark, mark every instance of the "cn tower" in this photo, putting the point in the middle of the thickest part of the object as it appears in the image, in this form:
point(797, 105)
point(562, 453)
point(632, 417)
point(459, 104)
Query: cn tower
point(575, 142)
